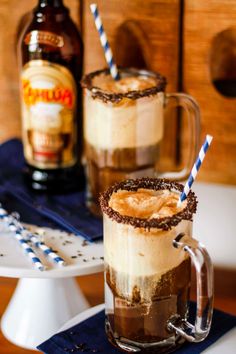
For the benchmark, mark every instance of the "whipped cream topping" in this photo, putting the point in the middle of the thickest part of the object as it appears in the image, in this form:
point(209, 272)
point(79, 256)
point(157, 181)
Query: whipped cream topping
point(146, 203)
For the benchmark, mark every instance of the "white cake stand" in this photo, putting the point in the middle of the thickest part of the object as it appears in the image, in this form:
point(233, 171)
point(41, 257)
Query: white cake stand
point(44, 301)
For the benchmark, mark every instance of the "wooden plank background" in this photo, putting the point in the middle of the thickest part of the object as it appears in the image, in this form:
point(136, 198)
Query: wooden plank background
point(151, 31)
point(203, 20)
point(147, 23)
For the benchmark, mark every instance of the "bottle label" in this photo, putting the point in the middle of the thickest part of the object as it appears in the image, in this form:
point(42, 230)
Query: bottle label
point(44, 37)
point(48, 115)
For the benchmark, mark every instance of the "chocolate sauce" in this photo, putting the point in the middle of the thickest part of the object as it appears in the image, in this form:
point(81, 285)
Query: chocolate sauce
point(146, 322)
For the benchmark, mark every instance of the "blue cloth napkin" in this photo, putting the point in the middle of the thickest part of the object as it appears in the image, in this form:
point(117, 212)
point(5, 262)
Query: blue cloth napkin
point(65, 211)
point(90, 336)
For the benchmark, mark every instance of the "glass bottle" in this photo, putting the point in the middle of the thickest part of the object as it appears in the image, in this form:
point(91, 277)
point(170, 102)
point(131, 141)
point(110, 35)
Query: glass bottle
point(51, 56)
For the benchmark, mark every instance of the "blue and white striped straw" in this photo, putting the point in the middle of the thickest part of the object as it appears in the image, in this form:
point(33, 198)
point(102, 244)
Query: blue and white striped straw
point(23, 236)
point(39, 244)
point(195, 169)
point(10, 222)
point(46, 250)
point(103, 39)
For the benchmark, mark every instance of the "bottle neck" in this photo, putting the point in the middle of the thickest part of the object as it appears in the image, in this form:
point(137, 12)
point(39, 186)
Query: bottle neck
point(51, 10)
point(52, 3)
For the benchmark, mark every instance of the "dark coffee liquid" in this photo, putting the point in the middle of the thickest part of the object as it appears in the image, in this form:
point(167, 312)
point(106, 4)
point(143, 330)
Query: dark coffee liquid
point(105, 167)
point(140, 322)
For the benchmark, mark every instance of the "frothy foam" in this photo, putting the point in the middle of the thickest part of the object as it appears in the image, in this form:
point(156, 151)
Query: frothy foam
point(128, 124)
point(125, 84)
point(135, 255)
point(146, 203)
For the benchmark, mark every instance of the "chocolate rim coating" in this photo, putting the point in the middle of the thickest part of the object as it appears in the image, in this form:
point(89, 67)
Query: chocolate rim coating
point(97, 92)
point(164, 223)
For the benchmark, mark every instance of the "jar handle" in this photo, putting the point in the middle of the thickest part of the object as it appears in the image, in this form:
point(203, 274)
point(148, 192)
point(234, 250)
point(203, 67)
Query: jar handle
point(193, 114)
point(204, 276)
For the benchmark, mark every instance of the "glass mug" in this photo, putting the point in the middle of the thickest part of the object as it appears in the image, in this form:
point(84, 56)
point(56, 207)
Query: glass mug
point(123, 131)
point(148, 267)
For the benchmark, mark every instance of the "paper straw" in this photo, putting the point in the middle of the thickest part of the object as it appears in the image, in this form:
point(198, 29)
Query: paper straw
point(41, 245)
point(9, 220)
point(195, 169)
point(103, 39)
point(46, 250)
point(21, 233)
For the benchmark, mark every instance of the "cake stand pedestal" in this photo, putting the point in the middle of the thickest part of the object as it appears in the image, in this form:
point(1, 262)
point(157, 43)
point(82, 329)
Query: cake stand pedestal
point(44, 301)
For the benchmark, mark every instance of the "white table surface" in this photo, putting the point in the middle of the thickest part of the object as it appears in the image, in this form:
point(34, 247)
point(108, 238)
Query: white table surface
point(226, 344)
point(215, 222)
